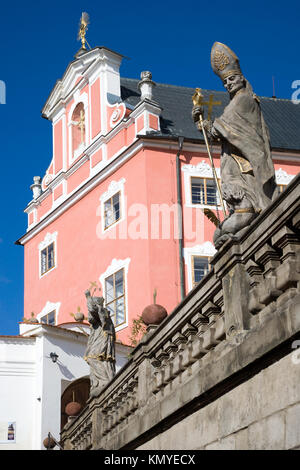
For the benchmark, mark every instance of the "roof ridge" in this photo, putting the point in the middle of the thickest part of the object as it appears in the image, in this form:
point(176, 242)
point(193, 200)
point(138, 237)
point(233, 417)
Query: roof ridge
point(204, 89)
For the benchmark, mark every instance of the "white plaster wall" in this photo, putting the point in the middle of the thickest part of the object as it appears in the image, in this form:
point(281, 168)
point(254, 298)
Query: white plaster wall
point(52, 376)
point(31, 385)
point(17, 386)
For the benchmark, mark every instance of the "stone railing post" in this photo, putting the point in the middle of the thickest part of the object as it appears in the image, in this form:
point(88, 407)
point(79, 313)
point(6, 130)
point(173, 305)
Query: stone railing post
point(230, 269)
point(97, 427)
point(144, 388)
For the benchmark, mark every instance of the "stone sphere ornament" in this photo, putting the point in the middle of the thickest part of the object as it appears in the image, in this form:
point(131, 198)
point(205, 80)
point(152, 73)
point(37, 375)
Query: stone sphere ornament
point(154, 314)
point(79, 316)
point(49, 443)
point(73, 408)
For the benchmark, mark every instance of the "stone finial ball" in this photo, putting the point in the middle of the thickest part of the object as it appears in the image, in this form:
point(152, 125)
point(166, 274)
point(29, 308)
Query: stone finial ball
point(73, 408)
point(154, 314)
point(49, 443)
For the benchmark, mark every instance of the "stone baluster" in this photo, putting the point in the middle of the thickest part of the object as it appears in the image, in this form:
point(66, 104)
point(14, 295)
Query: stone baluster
point(287, 274)
point(162, 356)
point(189, 331)
point(201, 324)
point(218, 300)
point(109, 417)
point(156, 364)
point(126, 391)
point(212, 312)
point(115, 410)
point(180, 341)
point(256, 277)
point(270, 259)
point(104, 429)
point(121, 415)
point(170, 349)
point(133, 383)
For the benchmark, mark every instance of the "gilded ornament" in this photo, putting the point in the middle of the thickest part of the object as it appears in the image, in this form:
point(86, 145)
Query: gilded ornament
point(221, 60)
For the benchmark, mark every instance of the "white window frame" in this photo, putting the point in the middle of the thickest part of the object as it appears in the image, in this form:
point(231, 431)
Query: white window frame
point(114, 188)
point(113, 268)
point(48, 240)
point(206, 250)
point(201, 170)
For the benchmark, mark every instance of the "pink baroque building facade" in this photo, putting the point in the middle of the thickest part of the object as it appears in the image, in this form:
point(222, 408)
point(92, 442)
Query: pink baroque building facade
point(121, 203)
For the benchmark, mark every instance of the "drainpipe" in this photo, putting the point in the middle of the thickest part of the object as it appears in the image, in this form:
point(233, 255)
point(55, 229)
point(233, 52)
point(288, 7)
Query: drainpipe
point(180, 221)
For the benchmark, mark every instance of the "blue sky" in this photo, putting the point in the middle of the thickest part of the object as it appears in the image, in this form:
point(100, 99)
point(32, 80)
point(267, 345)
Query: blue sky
point(172, 39)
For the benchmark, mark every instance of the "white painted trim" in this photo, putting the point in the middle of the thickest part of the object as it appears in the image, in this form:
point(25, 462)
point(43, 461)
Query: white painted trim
point(48, 308)
point(117, 115)
point(144, 108)
point(114, 267)
point(282, 177)
point(113, 188)
point(205, 250)
point(34, 211)
point(49, 238)
point(64, 87)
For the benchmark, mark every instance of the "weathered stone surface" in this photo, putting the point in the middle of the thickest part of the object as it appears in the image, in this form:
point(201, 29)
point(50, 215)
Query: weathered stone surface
point(267, 434)
point(293, 426)
point(241, 406)
point(280, 386)
point(241, 439)
point(228, 443)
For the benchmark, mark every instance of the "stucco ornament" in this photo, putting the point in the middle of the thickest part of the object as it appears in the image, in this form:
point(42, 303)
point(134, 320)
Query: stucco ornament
point(100, 351)
point(247, 170)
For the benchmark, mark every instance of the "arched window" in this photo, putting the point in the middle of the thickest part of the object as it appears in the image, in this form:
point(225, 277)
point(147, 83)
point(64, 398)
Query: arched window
point(78, 127)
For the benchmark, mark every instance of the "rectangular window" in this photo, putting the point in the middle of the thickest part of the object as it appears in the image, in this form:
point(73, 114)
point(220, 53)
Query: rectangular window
point(201, 267)
point(49, 319)
point(115, 296)
point(47, 258)
point(204, 191)
point(112, 210)
point(281, 187)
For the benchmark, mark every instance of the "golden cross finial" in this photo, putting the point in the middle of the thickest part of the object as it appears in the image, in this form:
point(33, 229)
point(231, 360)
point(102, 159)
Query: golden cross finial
point(83, 26)
point(211, 103)
point(198, 101)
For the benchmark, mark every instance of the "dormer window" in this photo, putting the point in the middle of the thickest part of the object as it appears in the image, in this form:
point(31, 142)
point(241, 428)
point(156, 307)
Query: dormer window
point(49, 319)
point(78, 130)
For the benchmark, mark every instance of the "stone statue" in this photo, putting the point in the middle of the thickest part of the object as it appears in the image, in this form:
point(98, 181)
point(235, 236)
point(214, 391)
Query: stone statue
point(100, 352)
point(247, 171)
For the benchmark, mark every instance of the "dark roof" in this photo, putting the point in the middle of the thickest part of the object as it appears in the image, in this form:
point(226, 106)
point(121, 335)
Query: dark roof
point(282, 116)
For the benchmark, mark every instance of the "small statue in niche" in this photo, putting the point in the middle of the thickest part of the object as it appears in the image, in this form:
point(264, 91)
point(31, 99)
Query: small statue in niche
point(100, 351)
point(247, 170)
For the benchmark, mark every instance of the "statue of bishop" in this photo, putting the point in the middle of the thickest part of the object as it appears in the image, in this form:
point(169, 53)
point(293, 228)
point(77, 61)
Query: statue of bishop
point(100, 351)
point(247, 171)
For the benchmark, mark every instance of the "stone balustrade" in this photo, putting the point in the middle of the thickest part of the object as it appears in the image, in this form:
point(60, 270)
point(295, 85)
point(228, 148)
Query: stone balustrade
point(240, 311)
point(80, 431)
